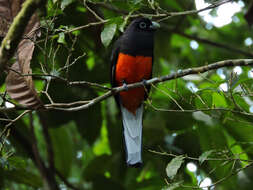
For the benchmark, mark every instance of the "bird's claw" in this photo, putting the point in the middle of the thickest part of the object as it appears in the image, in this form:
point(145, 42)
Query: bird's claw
point(125, 86)
point(144, 82)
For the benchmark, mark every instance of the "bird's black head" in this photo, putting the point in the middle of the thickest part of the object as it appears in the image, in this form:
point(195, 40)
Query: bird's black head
point(142, 25)
point(138, 39)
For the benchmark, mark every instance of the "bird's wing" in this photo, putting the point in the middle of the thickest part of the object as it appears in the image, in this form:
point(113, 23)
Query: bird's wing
point(114, 58)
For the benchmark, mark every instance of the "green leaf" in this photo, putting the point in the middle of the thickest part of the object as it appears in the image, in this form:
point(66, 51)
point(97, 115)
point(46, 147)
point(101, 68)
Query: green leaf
point(204, 156)
point(1, 100)
point(236, 148)
point(52, 9)
point(4, 163)
point(102, 145)
point(173, 166)
point(65, 3)
point(81, 9)
point(203, 100)
point(137, 1)
point(99, 165)
point(108, 33)
point(17, 162)
point(63, 148)
point(89, 123)
point(24, 177)
point(219, 100)
point(240, 101)
point(90, 62)
point(61, 38)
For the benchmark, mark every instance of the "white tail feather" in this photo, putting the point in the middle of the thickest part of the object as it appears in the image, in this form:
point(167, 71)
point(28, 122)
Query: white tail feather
point(133, 134)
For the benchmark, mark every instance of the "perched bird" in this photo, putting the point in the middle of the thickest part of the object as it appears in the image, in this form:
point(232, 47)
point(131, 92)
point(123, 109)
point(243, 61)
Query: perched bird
point(132, 61)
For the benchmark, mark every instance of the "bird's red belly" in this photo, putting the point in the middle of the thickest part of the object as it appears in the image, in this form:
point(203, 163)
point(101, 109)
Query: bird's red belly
point(132, 69)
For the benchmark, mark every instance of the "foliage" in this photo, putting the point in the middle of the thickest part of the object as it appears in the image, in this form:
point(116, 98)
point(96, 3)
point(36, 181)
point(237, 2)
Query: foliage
point(205, 119)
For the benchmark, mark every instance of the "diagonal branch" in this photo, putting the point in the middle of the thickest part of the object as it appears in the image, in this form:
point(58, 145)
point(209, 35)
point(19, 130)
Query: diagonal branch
point(179, 74)
point(80, 105)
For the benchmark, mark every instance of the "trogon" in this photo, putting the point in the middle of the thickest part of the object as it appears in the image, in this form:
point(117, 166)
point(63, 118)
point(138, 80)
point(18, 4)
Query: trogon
point(132, 61)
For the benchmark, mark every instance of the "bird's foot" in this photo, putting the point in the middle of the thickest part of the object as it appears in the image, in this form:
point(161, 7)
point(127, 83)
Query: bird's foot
point(144, 82)
point(125, 85)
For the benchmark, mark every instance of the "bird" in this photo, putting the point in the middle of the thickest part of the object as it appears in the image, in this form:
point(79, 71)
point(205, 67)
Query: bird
point(131, 62)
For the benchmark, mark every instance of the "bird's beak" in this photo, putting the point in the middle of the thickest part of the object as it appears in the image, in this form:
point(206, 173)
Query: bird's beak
point(155, 25)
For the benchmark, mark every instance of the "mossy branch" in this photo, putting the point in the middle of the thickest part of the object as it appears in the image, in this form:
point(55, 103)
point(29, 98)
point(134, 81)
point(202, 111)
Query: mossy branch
point(16, 30)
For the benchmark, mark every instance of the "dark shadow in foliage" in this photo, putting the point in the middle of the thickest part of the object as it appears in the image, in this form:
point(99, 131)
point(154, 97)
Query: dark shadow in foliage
point(95, 173)
point(88, 121)
point(115, 137)
point(20, 138)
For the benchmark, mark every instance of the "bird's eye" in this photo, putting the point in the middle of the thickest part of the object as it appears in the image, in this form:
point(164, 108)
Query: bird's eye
point(143, 25)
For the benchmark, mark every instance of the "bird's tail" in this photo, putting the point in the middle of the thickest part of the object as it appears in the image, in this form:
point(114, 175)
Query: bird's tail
point(133, 135)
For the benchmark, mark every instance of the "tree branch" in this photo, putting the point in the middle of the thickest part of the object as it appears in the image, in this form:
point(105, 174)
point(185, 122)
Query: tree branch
point(179, 74)
point(16, 30)
point(80, 105)
point(216, 44)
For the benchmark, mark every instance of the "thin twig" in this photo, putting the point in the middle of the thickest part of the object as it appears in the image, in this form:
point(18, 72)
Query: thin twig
point(196, 110)
point(212, 43)
point(69, 65)
point(70, 83)
point(167, 94)
point(13, 121)
point(220, 180)
point(197, 159)
point(92, 12)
